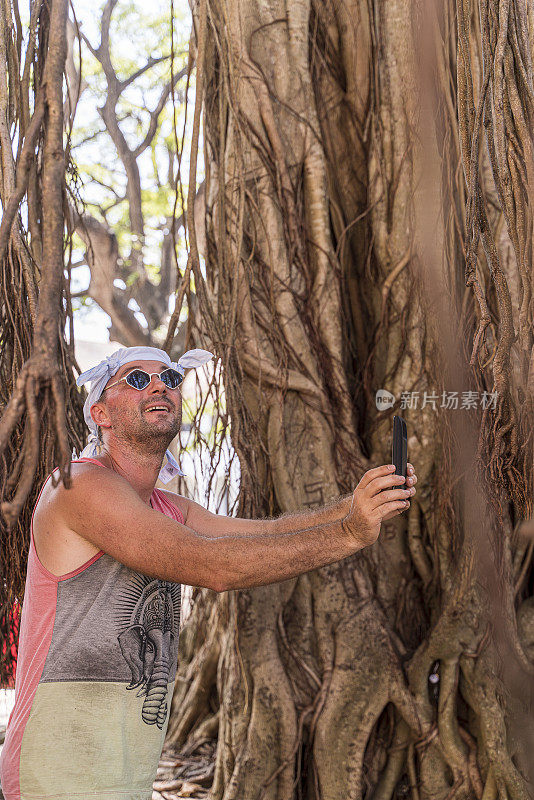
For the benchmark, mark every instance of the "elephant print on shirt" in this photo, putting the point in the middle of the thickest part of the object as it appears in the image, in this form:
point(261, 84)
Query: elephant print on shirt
point(148, 616)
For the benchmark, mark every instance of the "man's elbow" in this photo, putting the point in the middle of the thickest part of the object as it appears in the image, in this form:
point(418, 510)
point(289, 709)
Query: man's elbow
point(226, 581)
point(201, 583)
point(219, 582)
point(233, 581)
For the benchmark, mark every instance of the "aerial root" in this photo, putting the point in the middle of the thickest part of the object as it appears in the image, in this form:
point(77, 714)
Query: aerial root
point(15, 408)
point(58, 393)
point(394, 766)
point(291, 756)
point(190, 698)
point(206, 730)
point(35, 376)
point(481, 691)
point(314, 678)
point(11, 509)
point(455, 751)
point(472, 766)
point(490, 787)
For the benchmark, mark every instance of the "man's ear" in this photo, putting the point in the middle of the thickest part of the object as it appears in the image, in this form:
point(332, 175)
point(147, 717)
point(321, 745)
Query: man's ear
point(100, 415)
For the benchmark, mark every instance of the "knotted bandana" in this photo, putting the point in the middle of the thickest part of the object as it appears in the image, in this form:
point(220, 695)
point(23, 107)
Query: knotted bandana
point(100, 375)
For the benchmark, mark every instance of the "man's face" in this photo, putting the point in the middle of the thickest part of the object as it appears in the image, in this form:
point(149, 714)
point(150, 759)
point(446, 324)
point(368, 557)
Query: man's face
point(130, 414)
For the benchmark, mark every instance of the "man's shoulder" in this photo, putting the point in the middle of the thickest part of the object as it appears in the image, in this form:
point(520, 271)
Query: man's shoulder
point(60, 549)
point(83, 474)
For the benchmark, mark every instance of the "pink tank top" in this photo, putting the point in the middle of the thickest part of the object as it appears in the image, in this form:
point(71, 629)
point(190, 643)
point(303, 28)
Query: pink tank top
point(96, 666)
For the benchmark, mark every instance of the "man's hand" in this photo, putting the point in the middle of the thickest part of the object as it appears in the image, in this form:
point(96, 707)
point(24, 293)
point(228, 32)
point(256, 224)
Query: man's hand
point(371, 506)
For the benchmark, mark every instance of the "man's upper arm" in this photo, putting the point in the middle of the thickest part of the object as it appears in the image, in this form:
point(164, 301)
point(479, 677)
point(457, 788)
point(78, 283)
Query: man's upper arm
point(213, 525)
point(103, 508)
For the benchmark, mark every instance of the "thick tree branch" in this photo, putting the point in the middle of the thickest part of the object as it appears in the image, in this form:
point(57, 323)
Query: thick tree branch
point(102, 253)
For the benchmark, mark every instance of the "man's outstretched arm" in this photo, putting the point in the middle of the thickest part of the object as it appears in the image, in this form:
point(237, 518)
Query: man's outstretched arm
point(216, 525)
point(152, 543)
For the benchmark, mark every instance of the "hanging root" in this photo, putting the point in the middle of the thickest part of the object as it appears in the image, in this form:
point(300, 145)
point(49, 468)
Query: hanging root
point(40, 375)
point(40, 421)
point(11, 510)
point(196, 679)
point(33, 381)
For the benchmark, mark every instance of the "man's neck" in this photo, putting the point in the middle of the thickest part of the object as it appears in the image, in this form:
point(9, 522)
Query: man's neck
point(140, 469)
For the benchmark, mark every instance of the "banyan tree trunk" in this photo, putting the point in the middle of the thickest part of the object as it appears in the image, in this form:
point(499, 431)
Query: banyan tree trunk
point(41, 418)
point(368, 226)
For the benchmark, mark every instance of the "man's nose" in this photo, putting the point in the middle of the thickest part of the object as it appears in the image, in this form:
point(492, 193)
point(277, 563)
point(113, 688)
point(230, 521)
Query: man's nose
point(156, 384)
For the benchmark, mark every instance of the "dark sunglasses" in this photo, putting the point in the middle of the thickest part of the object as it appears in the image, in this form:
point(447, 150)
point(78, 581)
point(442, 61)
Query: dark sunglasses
point(139, 379)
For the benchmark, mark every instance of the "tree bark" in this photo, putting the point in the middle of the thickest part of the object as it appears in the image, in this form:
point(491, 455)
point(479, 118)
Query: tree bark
point(338, 224)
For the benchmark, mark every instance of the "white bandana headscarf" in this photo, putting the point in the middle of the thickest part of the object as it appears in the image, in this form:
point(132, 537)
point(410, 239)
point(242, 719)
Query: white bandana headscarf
point(100, 375)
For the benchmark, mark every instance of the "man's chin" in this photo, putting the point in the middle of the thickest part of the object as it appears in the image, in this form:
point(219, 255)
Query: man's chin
point(162, 431)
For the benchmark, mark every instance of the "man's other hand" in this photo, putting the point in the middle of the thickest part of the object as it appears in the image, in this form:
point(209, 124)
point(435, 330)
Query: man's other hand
point(380, 495)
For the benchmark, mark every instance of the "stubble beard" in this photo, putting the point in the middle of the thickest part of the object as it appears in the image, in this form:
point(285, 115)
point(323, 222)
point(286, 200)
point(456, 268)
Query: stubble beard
point(149, 438)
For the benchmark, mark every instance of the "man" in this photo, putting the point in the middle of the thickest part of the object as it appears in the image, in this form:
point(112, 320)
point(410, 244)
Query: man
point(100, 621)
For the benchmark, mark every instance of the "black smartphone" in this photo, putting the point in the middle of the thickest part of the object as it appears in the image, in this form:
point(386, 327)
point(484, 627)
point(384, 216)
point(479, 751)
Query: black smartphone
point(399, 447)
